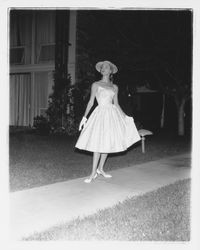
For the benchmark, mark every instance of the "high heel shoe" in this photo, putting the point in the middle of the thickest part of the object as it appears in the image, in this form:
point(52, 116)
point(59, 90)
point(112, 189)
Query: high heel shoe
point(90, 179)
point(101, 172)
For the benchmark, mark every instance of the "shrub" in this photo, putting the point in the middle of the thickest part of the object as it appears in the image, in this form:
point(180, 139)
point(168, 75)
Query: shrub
point(42, 125)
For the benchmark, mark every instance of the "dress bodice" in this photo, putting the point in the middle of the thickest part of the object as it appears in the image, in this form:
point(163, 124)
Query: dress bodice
point(105, 96)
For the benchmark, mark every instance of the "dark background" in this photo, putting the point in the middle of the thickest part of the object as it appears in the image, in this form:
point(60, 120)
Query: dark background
point(144, 44)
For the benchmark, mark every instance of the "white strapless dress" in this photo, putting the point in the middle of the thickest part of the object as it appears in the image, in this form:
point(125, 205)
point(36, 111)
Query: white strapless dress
point(106, 130)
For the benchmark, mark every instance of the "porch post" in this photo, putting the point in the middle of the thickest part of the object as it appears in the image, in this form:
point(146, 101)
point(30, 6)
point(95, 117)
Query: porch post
point(72, 47)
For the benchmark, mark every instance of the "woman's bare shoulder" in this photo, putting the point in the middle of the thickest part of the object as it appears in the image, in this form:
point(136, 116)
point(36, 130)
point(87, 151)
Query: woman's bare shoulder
point(95, 84)
point(115, 87)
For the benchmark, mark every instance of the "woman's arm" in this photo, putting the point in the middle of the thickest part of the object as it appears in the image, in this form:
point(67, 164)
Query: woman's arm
point(116, 103)
point(92, 97)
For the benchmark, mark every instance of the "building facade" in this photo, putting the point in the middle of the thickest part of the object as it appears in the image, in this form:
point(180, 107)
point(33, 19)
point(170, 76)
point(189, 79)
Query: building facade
point(32, 61)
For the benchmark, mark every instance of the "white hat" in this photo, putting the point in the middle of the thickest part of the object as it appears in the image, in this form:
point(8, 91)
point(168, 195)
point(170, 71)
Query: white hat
point(112, 66)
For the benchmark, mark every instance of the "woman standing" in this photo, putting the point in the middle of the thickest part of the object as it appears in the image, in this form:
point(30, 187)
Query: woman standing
point(108, 129)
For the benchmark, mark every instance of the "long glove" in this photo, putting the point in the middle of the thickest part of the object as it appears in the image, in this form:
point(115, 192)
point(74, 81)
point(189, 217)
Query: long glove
point(82, 123)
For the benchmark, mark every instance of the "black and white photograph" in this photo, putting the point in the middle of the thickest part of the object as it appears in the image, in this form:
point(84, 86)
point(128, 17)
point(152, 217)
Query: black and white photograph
point(100, 133)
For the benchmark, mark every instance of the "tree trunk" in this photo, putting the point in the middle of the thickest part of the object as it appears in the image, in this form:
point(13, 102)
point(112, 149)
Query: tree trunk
point(181, 122)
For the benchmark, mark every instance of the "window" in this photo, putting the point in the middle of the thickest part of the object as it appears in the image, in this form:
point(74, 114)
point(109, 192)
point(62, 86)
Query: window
point(47, 53)
point(17, 55)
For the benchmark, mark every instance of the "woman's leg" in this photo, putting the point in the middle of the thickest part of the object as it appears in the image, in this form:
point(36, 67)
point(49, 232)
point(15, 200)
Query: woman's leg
point(101, 165)
point(102, 161)
point(93, 175)
point(96, 157)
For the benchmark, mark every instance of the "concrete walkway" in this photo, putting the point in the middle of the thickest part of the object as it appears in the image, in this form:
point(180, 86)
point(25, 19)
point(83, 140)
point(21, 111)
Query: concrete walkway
point(37, 209)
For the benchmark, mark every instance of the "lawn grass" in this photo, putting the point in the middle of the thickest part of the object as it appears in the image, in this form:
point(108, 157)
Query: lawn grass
point(161, 215)
point(40, 160)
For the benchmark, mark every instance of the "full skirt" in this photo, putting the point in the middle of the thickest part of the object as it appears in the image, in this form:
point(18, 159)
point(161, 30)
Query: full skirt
point(107, 131)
